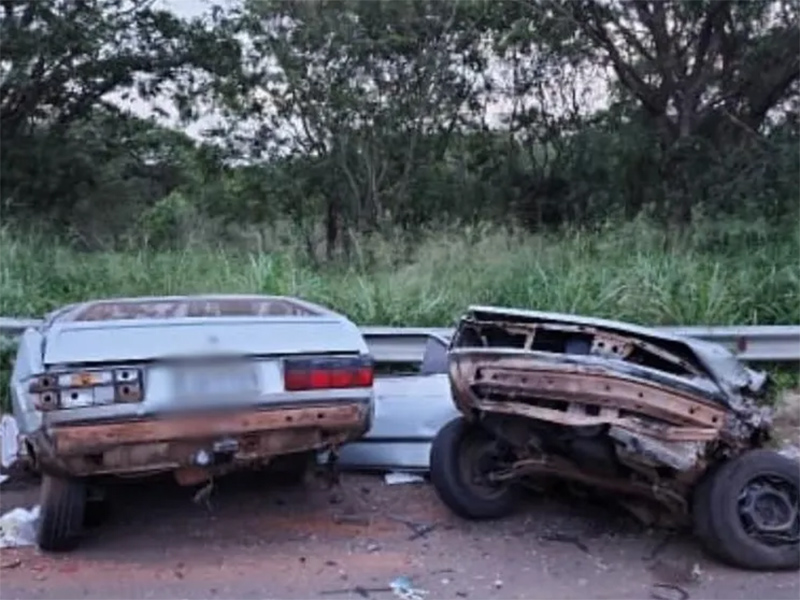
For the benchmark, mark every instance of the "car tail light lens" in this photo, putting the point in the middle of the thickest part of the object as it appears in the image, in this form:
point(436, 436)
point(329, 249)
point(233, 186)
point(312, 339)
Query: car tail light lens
point(327, 373)
point(78, 389)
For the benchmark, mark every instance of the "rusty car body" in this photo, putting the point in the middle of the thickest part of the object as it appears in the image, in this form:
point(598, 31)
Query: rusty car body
point(197, 386)
point(672, 428)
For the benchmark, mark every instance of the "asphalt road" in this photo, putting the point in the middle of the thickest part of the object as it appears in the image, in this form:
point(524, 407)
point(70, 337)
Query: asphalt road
point(282, 541)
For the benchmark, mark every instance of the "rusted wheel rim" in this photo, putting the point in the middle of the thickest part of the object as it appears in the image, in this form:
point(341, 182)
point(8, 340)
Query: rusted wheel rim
point(768, 510)
point(478, 457)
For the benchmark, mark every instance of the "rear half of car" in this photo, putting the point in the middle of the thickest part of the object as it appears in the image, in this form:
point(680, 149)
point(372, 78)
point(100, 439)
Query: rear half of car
point(197, 396)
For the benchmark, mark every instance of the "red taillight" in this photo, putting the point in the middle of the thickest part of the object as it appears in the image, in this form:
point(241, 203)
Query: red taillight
point(327, 373)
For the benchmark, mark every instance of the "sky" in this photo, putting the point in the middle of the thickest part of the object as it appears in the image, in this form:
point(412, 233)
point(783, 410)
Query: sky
point(194, 8)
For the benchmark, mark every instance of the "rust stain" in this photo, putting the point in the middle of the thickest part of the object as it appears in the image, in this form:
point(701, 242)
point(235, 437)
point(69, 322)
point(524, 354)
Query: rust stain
point(153, 308)
point(75, 439)
point(526, 376)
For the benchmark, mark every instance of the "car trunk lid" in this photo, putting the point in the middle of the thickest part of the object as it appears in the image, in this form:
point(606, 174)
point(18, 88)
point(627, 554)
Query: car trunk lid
point(158, 339)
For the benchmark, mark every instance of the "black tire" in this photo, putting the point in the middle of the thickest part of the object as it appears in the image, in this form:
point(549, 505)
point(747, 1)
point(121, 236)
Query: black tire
point(724, 533)
point(452, 455)
point(96, 513)
point(63, 505)
point(701, 510)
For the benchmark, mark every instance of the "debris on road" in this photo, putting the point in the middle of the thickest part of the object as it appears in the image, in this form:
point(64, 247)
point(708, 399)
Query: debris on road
point(678, 592)
point(419, 529)
point(404, 589)
point(567, 539)
point(362, 591)
point(18, 527)
point(344, 519)
point(674, 571)
point(12, 564)
point(398, 478)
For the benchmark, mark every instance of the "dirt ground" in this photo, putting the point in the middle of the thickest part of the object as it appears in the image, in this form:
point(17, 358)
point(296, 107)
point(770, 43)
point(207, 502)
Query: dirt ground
point(293, 541)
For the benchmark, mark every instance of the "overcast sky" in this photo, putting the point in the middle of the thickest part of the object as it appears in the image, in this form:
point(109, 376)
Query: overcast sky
point(194, 8)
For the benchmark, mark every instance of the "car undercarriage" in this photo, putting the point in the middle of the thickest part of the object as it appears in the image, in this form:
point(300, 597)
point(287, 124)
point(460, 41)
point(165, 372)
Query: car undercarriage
point(666, 426)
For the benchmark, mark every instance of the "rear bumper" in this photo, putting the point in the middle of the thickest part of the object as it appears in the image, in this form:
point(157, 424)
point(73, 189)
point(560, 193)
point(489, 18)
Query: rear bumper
point(167, 443)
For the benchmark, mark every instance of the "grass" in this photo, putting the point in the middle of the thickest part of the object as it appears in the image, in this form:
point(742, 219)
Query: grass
point(710, 274)
point(633, 272)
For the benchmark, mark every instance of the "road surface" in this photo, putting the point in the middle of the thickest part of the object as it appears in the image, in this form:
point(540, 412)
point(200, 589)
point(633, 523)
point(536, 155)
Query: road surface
point(289, 541)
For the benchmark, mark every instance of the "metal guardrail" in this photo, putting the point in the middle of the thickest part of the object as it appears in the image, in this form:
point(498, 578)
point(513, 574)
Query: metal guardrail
point(760, 343)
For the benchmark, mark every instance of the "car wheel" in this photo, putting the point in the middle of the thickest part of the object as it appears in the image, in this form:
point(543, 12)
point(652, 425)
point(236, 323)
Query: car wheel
point(63, 504)
point(701, 509)
point(752, 512)
point(461, 456)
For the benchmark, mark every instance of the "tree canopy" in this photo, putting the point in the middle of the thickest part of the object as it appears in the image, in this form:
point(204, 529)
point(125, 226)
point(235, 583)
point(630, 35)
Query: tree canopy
point(346, 117)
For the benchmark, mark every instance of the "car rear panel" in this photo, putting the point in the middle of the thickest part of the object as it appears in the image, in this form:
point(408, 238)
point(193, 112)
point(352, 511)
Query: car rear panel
point(196, 354)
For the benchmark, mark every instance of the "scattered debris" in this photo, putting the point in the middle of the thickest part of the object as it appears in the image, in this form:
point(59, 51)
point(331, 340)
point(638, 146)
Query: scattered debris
point(422, 531)
point(567, 539)
point(203, 495)
point(364, 592)
point(18, 527)
point(344, 519)
point(679, 592)
point(419, 529)
point(398, 478)
point(373, 547)
point(498, 583)
point(404, 589)
point(676, 571)
point(12, 564)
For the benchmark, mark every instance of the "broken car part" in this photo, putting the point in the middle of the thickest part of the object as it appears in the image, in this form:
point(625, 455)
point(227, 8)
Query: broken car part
point(670, 427)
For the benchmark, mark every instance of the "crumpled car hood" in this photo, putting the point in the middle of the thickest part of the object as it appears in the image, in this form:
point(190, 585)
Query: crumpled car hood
point(730, 374)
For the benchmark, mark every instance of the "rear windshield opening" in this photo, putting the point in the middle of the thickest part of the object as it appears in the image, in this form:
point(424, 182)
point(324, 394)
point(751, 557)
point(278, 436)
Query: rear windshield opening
point(189, 308)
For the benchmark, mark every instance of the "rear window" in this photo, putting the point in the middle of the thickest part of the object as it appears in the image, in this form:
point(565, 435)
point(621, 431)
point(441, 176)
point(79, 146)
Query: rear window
point(188, 308)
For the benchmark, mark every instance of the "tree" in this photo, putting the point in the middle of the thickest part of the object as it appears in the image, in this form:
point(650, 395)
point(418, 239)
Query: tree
point(61, 62)
point(368, 91)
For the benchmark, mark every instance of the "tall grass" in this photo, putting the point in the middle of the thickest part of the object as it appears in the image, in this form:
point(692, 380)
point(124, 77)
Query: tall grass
point(710, 275)
point(635, 271)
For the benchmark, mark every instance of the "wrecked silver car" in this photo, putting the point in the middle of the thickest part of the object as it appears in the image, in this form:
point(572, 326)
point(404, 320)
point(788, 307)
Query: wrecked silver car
point(197, 386)
point(672, 428)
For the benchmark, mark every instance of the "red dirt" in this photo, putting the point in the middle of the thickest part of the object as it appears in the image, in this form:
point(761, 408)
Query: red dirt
point(296, 542)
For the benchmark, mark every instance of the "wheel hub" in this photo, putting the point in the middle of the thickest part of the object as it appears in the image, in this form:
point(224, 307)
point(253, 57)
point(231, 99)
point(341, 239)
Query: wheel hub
point(479, 460)
point(768, 508)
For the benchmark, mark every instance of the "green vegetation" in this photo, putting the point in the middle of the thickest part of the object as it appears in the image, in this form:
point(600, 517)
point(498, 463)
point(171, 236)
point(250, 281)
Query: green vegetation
point(631, 271)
